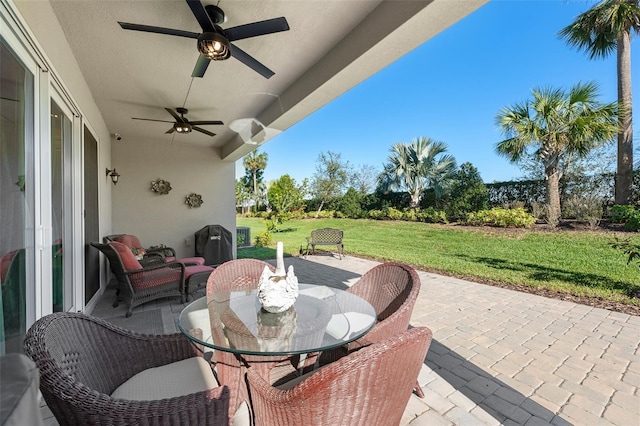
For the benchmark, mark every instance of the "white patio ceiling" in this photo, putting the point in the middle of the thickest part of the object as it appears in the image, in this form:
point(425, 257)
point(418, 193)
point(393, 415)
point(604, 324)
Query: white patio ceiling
point(331, 46)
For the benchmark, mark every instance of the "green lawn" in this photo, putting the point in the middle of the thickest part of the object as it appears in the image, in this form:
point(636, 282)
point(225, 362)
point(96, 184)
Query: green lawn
point(580, 263)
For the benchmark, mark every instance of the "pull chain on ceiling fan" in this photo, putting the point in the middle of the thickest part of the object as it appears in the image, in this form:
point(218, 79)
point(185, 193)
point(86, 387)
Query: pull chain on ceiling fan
point(214, 43)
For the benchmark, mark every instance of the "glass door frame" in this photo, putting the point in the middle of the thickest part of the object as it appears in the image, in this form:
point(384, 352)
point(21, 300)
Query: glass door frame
point(72, 203)
point(10, 37)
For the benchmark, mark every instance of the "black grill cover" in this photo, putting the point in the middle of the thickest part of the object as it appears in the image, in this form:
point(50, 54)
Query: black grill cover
point(215, 244)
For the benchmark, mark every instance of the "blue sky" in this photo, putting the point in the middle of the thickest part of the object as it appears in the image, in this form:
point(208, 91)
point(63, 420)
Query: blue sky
point(449, 89)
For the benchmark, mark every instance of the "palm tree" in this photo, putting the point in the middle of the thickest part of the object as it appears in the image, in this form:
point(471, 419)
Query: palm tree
point(556, 124)
point(254, 162)
point(599, 31)
point(414, 167)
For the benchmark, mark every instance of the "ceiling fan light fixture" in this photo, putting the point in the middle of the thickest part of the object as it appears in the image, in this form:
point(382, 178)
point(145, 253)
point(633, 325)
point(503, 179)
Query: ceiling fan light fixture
point(182, 127)
point(214, 46)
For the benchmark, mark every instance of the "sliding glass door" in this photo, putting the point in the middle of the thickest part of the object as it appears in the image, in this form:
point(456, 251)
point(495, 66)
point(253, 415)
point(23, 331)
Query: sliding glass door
point(61, 144)
point(16, 199)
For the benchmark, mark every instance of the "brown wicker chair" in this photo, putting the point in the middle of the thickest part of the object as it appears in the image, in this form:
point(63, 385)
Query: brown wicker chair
point(368, 387)
point(142, 282)
point(83, 359)
point(234, 275)
point(168, 253)
point(392, 289)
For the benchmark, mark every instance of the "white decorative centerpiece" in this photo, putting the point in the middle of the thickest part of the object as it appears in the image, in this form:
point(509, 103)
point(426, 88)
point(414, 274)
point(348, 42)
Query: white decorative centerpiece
point(277, 291)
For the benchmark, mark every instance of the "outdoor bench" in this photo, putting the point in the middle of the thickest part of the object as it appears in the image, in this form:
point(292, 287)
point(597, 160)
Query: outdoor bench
point(325, 237)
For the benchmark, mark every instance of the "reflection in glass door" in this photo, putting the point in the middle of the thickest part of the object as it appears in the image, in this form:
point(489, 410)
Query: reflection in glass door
point(61, 129)
point(16, 93)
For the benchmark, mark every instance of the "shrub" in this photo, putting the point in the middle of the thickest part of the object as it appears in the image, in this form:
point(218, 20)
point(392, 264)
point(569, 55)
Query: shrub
point(500, 217)
point(376, 214)
point(621, 213)
point(431, 215)
point(325, 214)
point(410, 215)
point(393, 214)
point(263, 239)
point(539, 210)
point(297, 214)
point(350, 204)
point(585, 209)
point(633, 222)
point(468, 192)
point(239, 240)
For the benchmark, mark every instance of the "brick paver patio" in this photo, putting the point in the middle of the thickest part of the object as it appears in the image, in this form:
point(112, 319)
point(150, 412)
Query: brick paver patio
point(498, 356)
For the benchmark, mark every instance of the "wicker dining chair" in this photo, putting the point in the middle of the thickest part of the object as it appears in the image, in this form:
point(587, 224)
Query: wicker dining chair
point(371, 386)
point(234, 275)
point(392, 289)
point(94, 373)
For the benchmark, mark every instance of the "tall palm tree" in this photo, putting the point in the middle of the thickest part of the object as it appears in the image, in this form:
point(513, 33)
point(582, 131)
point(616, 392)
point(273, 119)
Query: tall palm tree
point(414, 167)
point(254, 162)
point(601, 30)
point(556, 124)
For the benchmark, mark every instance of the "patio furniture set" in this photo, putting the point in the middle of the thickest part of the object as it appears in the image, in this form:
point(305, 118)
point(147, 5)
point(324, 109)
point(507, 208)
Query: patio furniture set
point(335, 357)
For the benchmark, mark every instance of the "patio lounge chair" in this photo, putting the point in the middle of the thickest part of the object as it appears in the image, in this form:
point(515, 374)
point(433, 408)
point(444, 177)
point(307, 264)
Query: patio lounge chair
point(94, 373)
point(168, 253)
point(140, 283)
point(371, 386)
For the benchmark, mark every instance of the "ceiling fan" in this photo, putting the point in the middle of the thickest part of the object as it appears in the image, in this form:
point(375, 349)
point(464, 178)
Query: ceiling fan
point(214, 43)
point(182, 125)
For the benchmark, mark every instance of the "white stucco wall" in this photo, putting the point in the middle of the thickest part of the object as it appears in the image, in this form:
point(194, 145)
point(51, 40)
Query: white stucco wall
point(44, 25)
point(167, 219)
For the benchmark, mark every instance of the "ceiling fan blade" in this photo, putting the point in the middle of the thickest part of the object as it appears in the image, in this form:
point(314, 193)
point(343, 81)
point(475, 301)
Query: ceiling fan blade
point(175, 115)
point(203, 123)
point(171, 130)
point(158, 30)
point(250, 61)
point(201, 15)
point(254, 29)
point(201, 66)
point(151, 119)
point(206, 132)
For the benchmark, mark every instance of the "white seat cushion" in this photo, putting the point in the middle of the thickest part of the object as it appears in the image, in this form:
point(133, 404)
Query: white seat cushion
point(295, 381)
point(179, 378)
point(342, 326)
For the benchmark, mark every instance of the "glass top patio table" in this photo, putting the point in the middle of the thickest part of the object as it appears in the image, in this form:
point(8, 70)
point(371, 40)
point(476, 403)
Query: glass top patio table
point(322, 318)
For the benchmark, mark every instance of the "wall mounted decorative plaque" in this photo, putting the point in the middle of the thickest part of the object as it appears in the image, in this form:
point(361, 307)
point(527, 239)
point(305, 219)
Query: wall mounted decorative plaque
point(160, 186)
point(193, 200)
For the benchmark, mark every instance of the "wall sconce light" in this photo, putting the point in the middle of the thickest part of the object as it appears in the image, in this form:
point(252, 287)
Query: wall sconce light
point(114, 175)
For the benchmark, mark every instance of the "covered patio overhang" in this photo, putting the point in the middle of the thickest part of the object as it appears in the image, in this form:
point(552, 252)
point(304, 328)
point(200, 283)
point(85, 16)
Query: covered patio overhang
point(120, 75)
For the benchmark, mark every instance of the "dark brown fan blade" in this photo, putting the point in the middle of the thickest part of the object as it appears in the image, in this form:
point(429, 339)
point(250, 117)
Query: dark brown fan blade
point(268, 26)
point(201, 15)
point(250, 61)
point(206, 132)
point(158, 30)
point(151, 119)
point(175, 115)
point(203, 123)
point(201, 66)
point(171, 130)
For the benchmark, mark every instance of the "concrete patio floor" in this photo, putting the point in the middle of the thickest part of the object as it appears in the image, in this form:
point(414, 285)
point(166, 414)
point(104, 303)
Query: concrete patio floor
point(498, 356)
